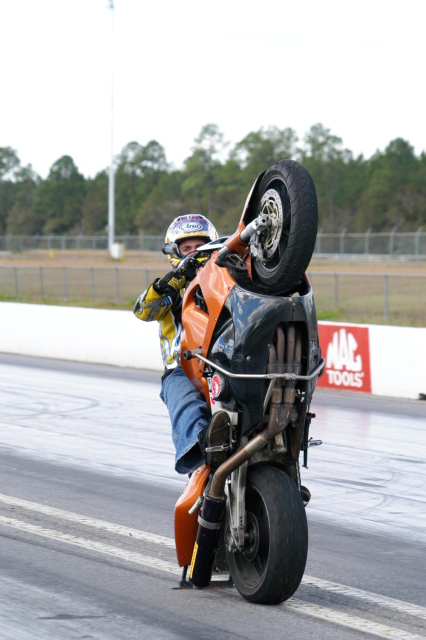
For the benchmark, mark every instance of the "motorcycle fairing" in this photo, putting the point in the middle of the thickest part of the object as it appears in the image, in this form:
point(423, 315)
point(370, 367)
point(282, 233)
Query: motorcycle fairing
point(198, 330)
point(186, 524)
point(235, 329)
point(248, 323)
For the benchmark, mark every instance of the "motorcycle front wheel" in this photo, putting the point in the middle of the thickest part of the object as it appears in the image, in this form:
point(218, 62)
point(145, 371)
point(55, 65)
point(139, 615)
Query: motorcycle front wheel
point(281, 254)
point(270, 567)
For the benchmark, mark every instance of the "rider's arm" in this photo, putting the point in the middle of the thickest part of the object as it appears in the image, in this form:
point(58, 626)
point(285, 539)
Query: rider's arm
point(152, 305)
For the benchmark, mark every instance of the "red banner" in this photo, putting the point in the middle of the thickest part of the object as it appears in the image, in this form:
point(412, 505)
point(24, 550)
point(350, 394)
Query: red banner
point(346, 350)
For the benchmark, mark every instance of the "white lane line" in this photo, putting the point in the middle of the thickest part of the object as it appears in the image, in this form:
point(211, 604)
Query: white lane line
point(91, 545)
point(334, 587)
point(89, 522)
point(323, 613)
point(366, 596)
point(352, 622)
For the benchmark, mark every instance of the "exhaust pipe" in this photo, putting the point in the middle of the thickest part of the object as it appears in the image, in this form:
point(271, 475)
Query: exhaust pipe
point(210, 523)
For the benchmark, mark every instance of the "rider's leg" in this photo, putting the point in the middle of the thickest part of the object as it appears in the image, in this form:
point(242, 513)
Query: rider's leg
point(189, 415)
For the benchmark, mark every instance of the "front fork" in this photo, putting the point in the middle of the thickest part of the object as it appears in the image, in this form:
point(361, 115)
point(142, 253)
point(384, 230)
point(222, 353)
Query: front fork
point(236, 514)
point(235, 491)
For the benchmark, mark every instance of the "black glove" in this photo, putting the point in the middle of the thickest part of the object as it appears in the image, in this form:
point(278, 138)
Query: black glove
point(189, 268)
point(170, 284)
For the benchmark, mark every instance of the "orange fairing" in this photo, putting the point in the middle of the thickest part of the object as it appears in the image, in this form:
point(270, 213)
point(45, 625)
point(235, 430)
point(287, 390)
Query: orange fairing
point(186, 524)
point(234, 242)
point(198, 326)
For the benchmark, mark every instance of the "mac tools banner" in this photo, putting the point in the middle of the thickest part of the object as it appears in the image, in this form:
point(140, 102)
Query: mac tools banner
point(346, 349)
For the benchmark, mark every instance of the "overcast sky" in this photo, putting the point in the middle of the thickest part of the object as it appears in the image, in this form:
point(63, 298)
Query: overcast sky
point(357, 67)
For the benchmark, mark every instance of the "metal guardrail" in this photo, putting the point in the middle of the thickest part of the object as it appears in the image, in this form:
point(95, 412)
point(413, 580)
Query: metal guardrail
point(367, 245)
point(397, 297)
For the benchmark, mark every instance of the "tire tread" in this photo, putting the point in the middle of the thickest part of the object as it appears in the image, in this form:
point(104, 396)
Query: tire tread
point(288, 538)
point(303, 226)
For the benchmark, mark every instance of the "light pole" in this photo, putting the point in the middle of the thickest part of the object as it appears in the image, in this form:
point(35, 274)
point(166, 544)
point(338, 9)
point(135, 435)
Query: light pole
point(111, 190)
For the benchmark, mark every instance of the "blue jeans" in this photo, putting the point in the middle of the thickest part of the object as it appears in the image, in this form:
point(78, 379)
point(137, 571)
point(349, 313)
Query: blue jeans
point(189, 414)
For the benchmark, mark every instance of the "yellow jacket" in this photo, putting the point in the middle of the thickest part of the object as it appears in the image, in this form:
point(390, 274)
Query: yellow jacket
point(154, 306)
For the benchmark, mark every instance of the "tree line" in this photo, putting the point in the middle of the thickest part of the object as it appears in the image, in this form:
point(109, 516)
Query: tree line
point(385, 191)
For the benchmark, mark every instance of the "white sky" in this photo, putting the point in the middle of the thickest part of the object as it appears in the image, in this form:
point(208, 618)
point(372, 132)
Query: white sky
point(357, 67)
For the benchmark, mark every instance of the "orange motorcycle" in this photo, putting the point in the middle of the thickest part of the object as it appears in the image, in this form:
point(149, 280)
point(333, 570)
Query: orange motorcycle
point(250, 344)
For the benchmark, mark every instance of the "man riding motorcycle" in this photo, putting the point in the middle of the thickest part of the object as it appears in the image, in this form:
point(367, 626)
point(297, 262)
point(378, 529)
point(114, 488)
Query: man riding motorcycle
point(162, 301)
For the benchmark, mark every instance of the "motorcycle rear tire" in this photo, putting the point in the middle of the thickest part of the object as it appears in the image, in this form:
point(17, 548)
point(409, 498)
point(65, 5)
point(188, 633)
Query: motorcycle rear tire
point(270, 567)
point(288, 193)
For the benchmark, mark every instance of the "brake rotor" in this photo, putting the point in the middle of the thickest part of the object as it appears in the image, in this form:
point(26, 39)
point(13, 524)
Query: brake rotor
point(271, 207)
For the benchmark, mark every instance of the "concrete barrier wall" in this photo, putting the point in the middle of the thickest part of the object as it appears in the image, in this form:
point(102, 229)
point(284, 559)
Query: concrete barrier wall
point(382, 360)
point(84, 335)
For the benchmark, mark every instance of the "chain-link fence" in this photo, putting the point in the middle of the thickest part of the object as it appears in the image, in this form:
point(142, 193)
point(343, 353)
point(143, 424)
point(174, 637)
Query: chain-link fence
point(368, 245)
point(102, 284)
point(397, 297)
point(371, 296)
point(85, 247)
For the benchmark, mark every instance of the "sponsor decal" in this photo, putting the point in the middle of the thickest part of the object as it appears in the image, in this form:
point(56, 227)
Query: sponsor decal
point(194, 557)
point(190, 227)
point(347, 357)
point(216, 387)
point(211, 394)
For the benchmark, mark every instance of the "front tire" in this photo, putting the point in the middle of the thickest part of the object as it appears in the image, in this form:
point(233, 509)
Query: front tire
point(286, 196)
point(270, 567)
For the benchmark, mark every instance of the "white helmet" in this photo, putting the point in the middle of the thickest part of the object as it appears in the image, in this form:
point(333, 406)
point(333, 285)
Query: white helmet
point(189, 226)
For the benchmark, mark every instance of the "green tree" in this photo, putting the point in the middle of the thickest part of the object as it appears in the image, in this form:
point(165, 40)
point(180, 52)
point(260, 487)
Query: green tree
point(349, 184)
point(20, 219)
point(325, 159)
point(58, 202)
point(393, 194)
point(200, 176)
point(384, 191)
point(9, 165)
point(321, 145)
point(256, 152)
point(138, 171)
point(263, 148)
point(163, 203)
point(95, 205)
